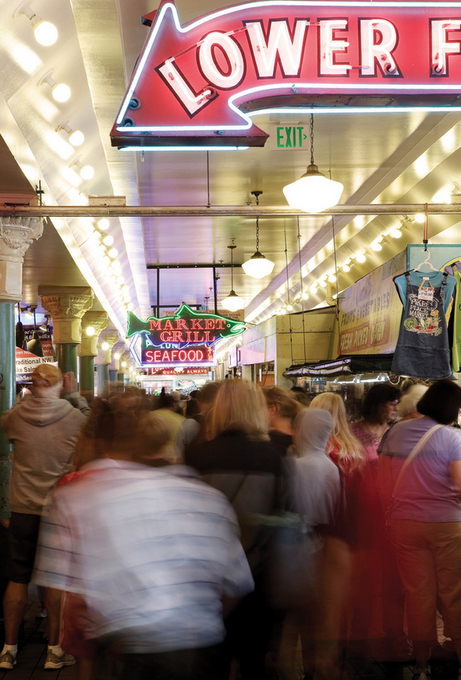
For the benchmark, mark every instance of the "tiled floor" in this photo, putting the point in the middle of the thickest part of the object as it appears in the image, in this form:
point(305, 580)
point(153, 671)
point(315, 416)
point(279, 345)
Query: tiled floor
point(357, 667)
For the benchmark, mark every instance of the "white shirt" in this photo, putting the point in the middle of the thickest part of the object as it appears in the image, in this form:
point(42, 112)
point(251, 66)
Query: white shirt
point(151, 552)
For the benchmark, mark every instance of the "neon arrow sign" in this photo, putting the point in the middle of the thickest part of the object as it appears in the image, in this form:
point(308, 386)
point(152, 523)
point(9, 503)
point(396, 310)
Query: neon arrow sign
point(201, 84)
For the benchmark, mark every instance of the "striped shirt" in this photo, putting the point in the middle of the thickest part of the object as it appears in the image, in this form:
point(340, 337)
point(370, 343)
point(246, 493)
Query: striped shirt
point(151, 550)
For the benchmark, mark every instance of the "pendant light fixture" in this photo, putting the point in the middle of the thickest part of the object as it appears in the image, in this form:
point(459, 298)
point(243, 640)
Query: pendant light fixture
point(258, 266)
point(313, 192)
point(233, 302)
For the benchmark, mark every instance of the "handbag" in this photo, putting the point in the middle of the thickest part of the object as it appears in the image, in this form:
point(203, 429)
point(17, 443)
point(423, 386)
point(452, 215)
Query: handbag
point(413, 453)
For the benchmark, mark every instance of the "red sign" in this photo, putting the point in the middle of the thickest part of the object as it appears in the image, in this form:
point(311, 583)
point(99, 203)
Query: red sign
point(201, 83)
point(180, 370)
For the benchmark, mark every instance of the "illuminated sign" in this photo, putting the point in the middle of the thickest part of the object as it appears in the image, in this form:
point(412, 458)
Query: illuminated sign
point(190, 370)
point(191, 355)
point(202, 83)
point(186, 338)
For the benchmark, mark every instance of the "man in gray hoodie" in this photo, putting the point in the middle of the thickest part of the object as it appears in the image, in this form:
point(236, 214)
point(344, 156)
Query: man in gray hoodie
point(43, 430)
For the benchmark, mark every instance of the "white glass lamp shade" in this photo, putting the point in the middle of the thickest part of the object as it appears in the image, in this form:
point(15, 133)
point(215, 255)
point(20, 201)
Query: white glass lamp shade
point(258, 266)
point(233, 302)
point(313, 192)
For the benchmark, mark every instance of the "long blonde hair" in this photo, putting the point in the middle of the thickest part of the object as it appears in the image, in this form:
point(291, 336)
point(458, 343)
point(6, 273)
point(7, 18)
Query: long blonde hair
point(349, 447)
point(240, 405)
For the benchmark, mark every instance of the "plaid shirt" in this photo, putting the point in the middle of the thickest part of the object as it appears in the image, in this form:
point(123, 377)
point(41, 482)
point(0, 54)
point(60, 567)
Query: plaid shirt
point(151, 552)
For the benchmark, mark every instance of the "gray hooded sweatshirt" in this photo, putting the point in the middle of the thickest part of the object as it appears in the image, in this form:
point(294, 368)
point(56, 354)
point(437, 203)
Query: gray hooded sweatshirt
point(317, 481)
point(43, 432)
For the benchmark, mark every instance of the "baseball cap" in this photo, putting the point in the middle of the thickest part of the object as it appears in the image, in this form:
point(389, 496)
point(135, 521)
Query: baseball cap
point(46, 375)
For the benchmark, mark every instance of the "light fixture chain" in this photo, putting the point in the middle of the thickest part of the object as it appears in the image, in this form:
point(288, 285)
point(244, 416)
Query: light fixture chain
point(312, 138)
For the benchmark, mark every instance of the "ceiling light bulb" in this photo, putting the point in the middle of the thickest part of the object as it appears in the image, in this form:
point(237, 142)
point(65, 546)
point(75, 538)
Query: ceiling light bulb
point(289, 307)
point(233, 302)
point(346, 268)
point(45, 32)
point(117, 355)
point(105, 346)
point(442, 196)
point(113, 252)
point(258, 266)
point(87, 172)
point(322, 283)
point(332, 278)
point(361, 257)
point(61, 92)
point(124, 364)
point(130, 306)
point(104, 224)
point(90, 331)
point(420, 218)
point(76, 138)
point(305, 296)
point(313, 288)
point(396, 233)
point(376, 246)
point(108, 240)
point(283, 310)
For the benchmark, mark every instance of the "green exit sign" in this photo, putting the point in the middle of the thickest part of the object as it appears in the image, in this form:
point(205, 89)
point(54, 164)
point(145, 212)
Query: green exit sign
point(293, 137)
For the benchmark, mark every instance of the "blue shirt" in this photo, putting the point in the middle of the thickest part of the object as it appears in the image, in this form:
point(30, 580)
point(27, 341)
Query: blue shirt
point(426, 492)
point(416, 278)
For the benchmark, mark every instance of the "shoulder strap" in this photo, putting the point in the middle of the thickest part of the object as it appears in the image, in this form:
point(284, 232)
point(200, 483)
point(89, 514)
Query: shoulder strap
point(414, 452)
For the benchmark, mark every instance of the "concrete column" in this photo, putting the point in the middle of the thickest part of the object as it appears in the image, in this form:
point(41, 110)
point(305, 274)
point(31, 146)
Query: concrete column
point(16, 235)
point(104, 359)
point(89, 350)
point(66, 305)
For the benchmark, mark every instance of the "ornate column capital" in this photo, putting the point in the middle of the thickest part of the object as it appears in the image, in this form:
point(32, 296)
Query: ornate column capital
point(16, 235)
point(89, 345)
point(66, 305)
point(104, 355)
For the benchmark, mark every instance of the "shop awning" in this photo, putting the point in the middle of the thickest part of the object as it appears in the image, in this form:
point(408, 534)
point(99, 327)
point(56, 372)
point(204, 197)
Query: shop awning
point(343, 365)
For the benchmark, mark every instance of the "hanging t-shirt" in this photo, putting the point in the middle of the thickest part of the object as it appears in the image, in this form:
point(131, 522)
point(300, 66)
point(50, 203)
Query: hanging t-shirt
point(456, 348)
point(422, 348)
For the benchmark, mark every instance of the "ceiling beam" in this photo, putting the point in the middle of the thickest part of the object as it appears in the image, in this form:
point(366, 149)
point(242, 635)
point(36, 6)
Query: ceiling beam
point(223, 210)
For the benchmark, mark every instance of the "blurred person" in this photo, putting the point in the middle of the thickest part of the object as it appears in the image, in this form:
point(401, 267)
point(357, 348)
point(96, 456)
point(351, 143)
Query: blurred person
point(167, 410)
point(347, 454)
point(43, 430)
point(300, 395)
point(242, 462)
point(425, 516)
point(282, 410)
point(155, 452)
point(151, 555)
point(376, 581)
point(407, 408)
point(195, 429)
point(316, 487)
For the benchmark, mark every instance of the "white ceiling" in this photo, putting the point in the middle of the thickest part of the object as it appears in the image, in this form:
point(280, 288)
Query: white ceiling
point(380, 158)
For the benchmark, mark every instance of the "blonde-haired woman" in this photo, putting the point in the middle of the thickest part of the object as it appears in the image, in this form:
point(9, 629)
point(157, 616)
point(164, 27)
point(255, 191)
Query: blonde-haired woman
point(242, 462)
point(344, 449)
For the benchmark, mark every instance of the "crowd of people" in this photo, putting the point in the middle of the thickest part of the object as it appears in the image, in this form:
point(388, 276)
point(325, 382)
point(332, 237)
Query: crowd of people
point(205, 538)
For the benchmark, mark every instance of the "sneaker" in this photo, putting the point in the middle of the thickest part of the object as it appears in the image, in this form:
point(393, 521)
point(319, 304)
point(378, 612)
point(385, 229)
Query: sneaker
point(7, 661)
point(55, 661)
